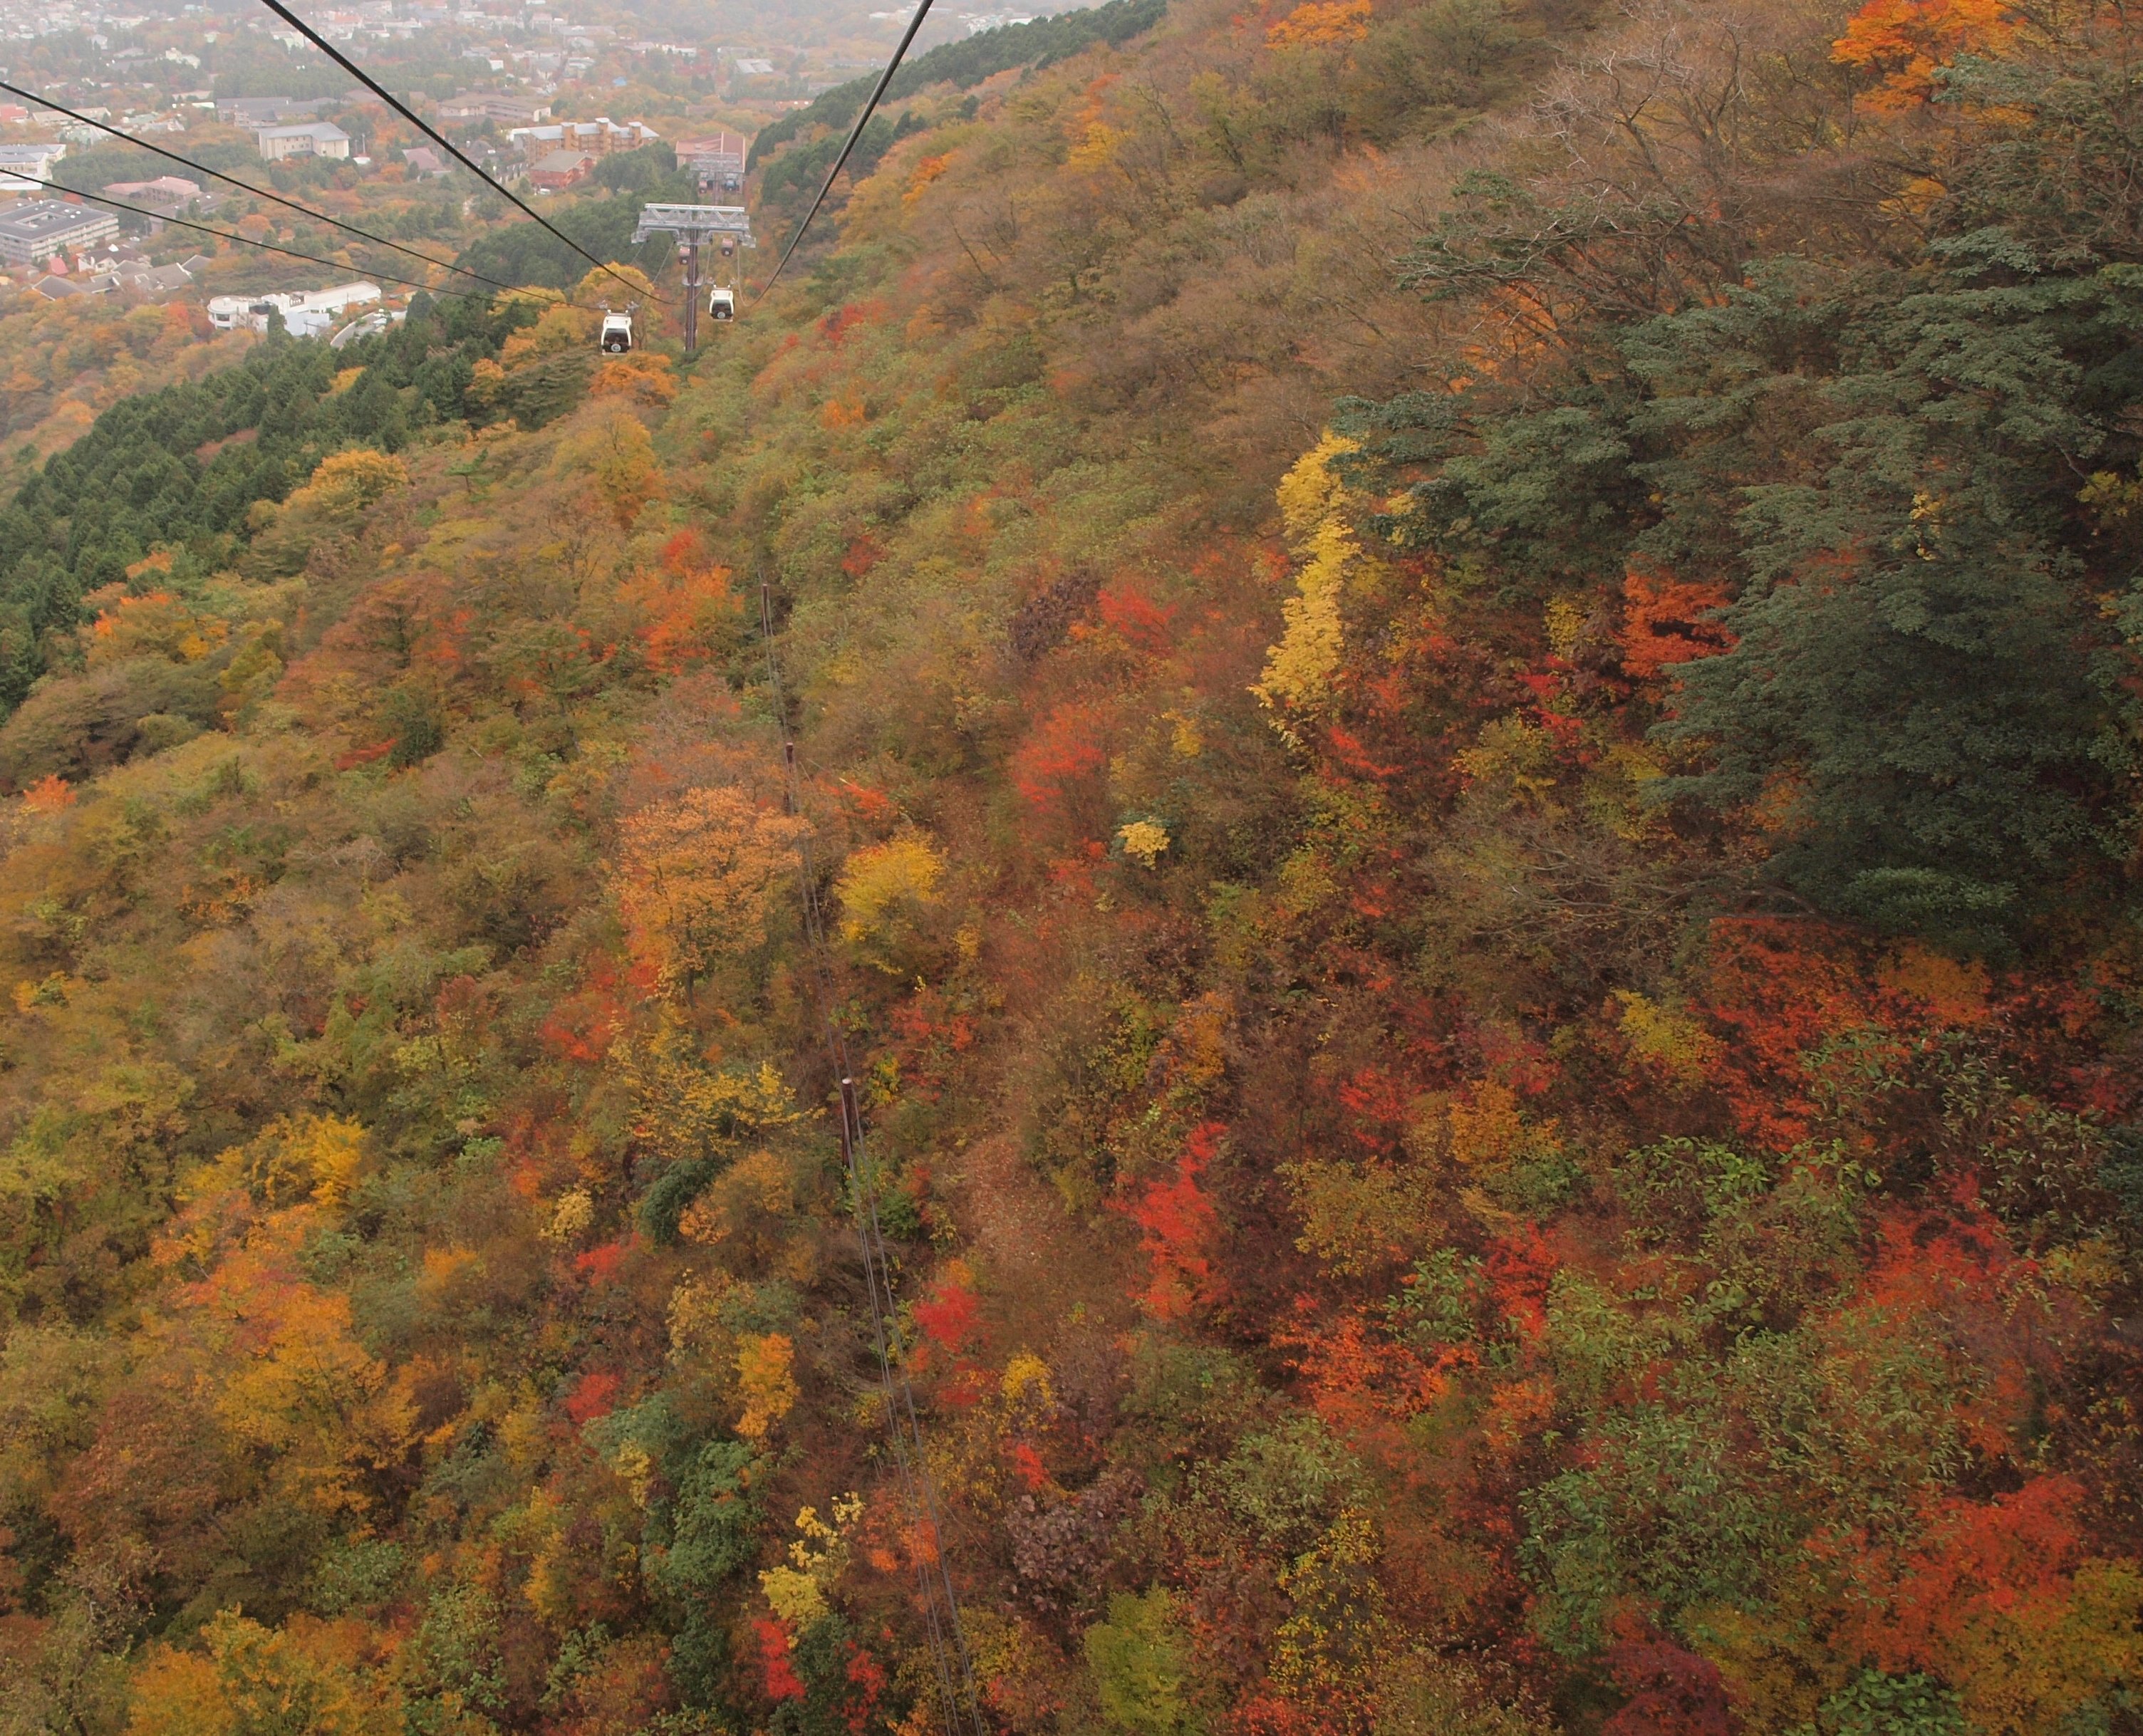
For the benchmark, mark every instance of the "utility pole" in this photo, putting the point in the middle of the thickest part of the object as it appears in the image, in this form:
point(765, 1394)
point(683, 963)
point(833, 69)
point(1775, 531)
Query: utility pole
point(693, 225)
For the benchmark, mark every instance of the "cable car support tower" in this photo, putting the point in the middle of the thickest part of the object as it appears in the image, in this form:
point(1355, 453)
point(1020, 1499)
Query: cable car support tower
point(695, 225)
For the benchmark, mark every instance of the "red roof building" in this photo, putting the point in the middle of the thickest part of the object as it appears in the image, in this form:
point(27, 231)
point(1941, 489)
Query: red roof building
point(561, 169)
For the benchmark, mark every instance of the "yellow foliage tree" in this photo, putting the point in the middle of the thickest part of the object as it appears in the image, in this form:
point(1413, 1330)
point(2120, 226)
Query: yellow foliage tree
point(344, 485)
point(797, 1592)
point(697, 877)
point(309, 1678)
point(1356, 1220)
point(618, 459)
point(641, 374)
point(881, 890)
point(1666, 1038)
point(682, 1106)
point(157, 625)
point(1327, 1648)
point(766, 1372)
point(1143, 842)
point(300, 1156)
point(1316, 511)
point(557, 328)
point(614, 285)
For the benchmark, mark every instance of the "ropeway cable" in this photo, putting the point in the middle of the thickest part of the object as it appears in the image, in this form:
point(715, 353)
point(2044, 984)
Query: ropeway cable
point(247, 186)
point(225, 234)
point(840, 162)
point(440, 139)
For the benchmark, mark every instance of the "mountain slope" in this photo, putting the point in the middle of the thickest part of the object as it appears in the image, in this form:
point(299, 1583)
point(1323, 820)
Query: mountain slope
point(1466, 701)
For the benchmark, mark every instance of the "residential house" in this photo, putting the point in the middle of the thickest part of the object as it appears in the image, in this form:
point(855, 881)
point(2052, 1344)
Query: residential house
point(306, 312)
point(151, 284)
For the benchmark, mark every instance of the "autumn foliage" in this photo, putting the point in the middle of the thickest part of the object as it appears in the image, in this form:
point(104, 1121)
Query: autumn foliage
point(1405, 1004)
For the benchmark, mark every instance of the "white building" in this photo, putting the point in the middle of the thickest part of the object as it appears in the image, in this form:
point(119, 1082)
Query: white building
point(34, 159)
point(315, 138)
point(306, 312)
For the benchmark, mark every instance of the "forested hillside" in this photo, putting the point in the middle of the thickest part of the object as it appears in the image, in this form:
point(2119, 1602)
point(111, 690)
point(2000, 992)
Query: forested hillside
point(1468, 708)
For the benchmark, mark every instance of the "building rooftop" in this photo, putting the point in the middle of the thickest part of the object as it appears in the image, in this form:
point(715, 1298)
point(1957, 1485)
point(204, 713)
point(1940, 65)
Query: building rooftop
point(166, 189)
point(325, 131)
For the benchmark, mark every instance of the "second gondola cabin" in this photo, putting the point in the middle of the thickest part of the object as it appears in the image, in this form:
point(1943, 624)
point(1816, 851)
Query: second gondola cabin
point(616, 333)
point(721, 305)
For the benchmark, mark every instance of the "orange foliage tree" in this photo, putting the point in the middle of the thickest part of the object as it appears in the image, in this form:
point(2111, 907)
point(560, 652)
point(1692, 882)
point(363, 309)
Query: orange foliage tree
point(697, 877)
point(1906, 42)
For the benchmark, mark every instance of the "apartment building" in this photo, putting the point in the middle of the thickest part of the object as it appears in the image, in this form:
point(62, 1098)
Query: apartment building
point(39, 228)
point(598, 137)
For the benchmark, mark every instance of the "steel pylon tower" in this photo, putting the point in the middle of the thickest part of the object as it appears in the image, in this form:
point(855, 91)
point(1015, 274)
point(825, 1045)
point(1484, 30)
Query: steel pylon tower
point(694, 225)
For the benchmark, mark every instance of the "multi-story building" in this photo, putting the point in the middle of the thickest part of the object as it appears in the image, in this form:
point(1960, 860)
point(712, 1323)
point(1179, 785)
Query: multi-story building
point(40, 227)
point(500, 110)
point(598, 137)
point(315, 138)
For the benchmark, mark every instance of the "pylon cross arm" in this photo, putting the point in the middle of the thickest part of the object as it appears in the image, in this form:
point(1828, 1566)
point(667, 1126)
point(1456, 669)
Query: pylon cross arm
point(694, 223)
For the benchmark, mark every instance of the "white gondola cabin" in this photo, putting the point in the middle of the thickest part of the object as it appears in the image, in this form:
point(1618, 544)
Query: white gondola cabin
point(616, 333)
point(721, 305)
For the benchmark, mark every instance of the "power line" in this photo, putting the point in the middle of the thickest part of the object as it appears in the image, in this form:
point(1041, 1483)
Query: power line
point(941, 1601)
point(225, 234)
point(855, 132)
point(437, 138)
point(248, 186)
